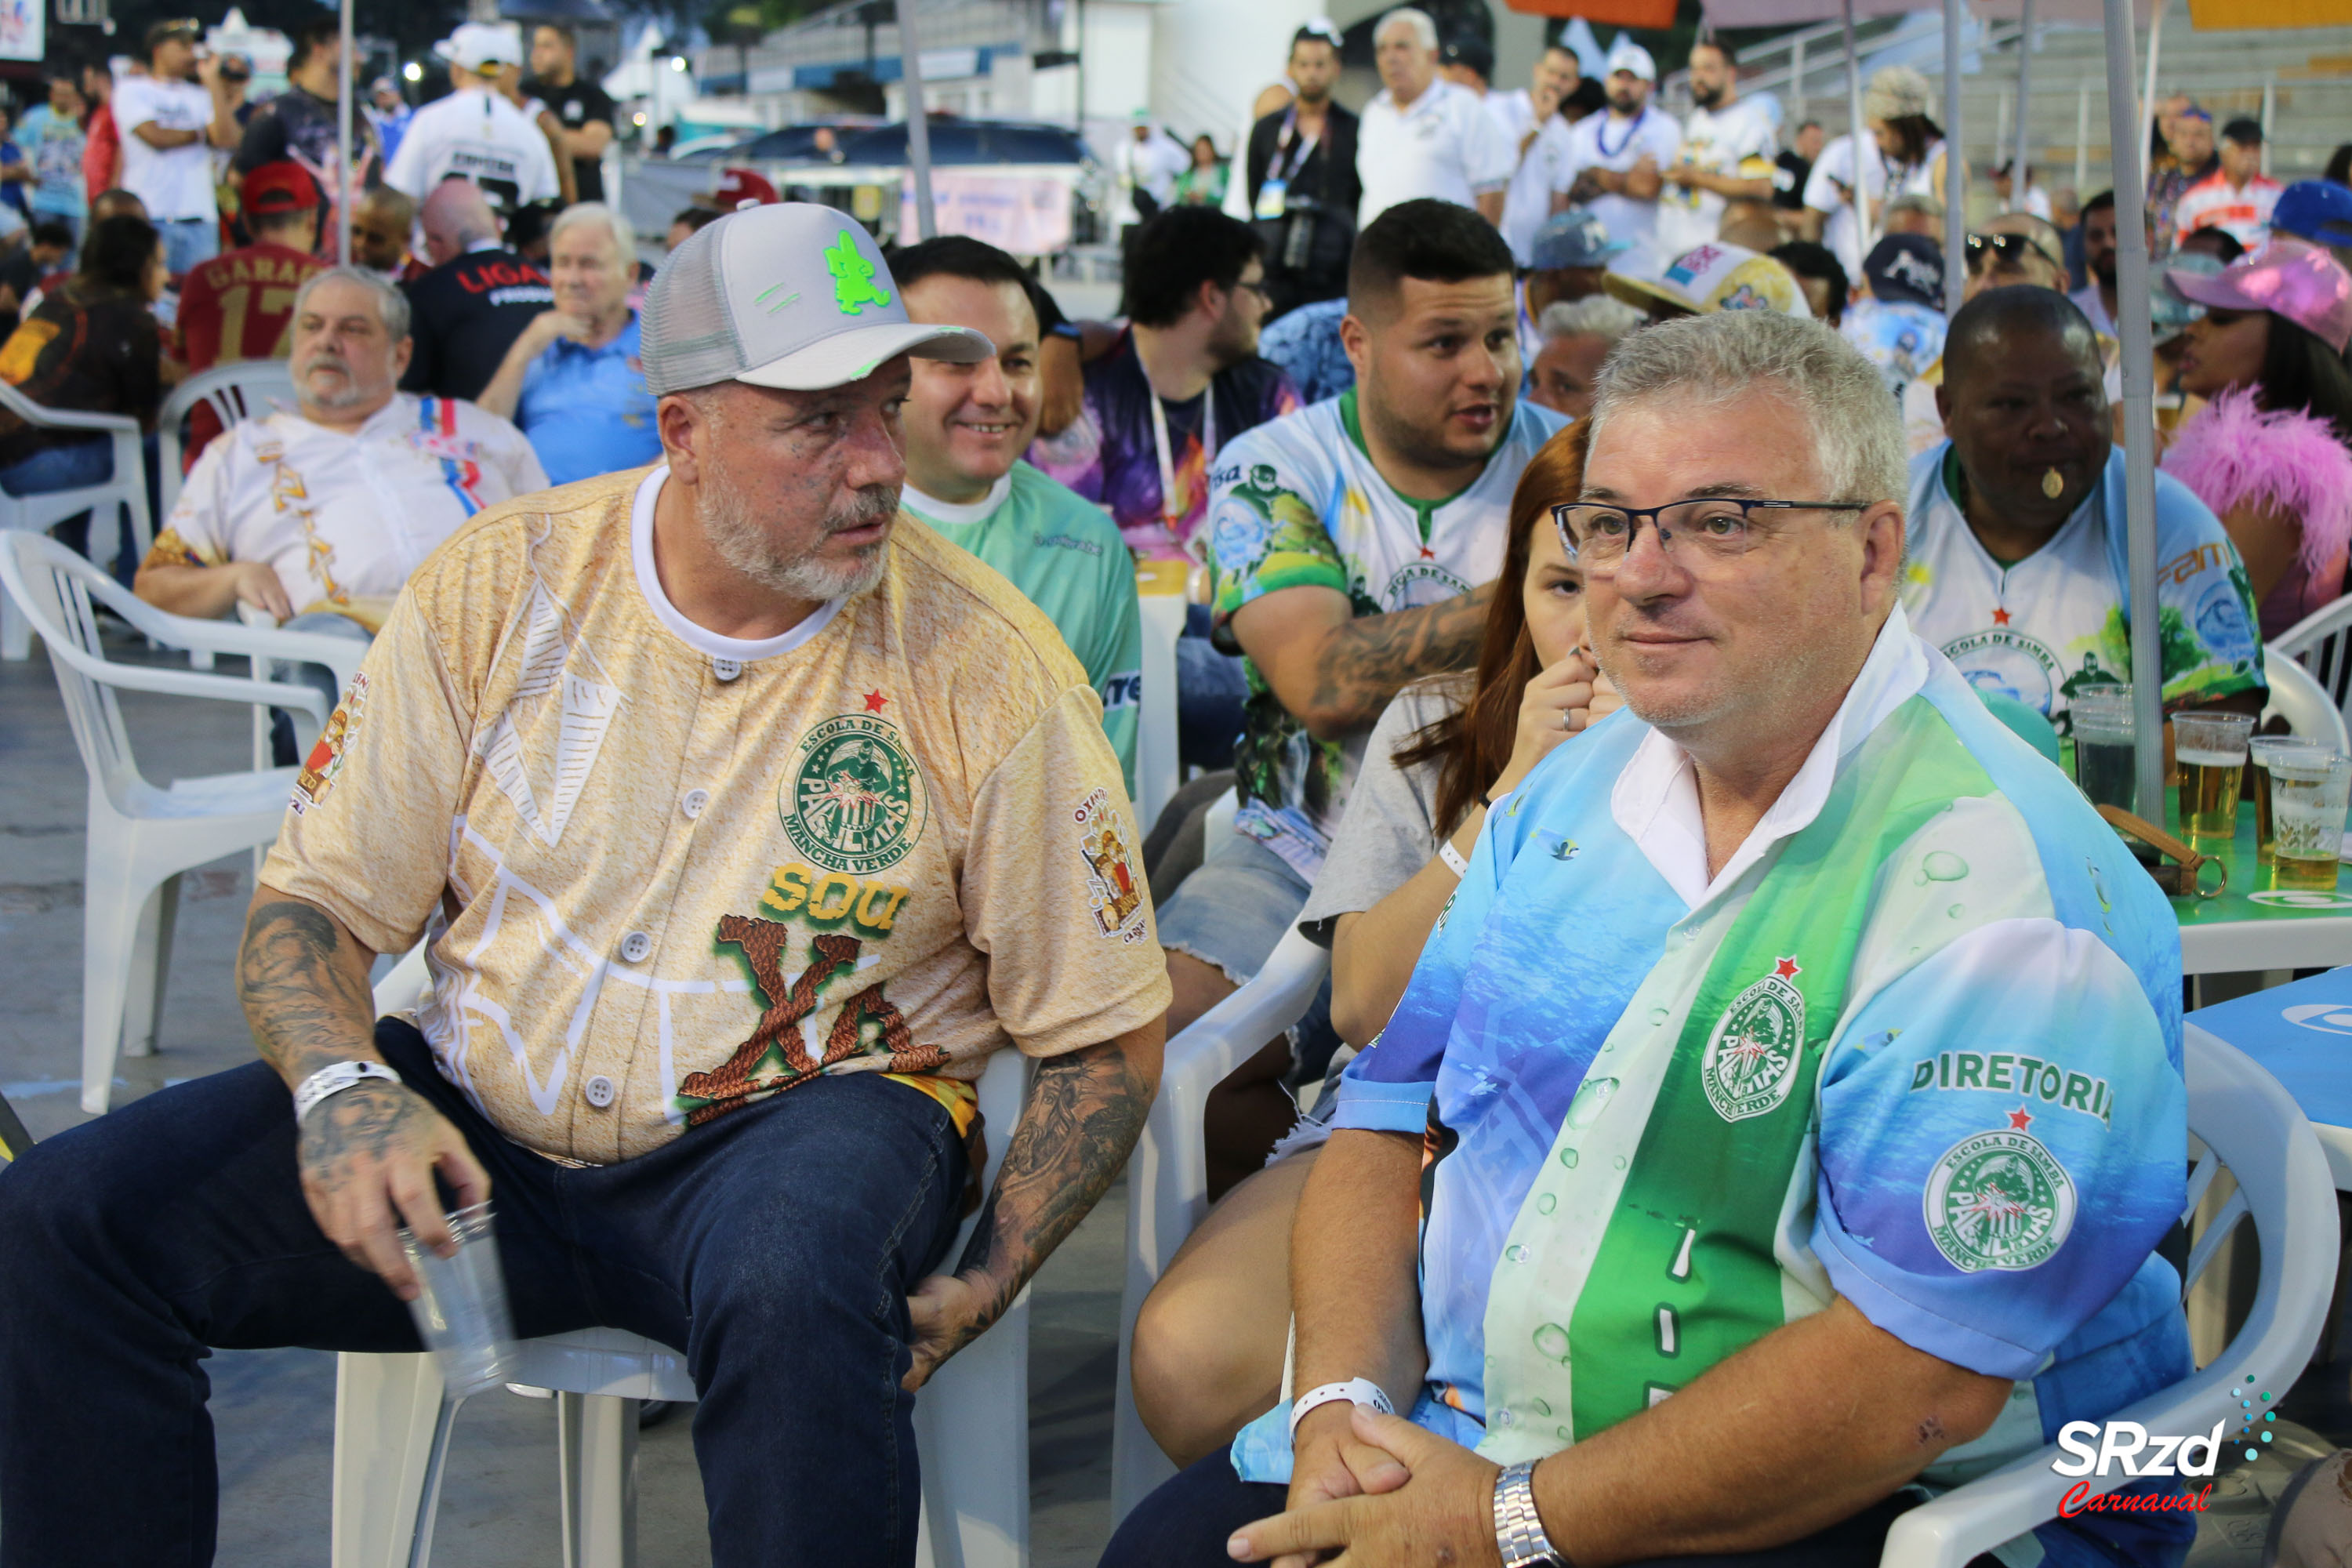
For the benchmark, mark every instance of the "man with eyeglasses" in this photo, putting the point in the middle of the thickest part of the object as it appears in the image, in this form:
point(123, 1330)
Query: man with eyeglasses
point(2016, 565)
point(1712, 1185)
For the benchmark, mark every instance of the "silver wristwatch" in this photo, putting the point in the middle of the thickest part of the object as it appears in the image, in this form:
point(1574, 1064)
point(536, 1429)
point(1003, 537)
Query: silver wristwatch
point(1519, 1533)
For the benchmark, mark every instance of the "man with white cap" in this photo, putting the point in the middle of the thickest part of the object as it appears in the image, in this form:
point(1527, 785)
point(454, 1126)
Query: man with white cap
point(744, 821)
point(477, 131)
point(1424, 137)
point(1615, 158)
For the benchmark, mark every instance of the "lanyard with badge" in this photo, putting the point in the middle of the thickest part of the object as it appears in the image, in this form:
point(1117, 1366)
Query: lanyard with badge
point(1272, 195)
point(1170, 514)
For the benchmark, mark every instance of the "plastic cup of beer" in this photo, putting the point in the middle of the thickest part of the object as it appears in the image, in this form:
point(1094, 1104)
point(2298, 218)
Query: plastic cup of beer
point(2209, 750)
point(461, 1308)
point(2309, 794)
point(2260, 752)
point(2103, 768)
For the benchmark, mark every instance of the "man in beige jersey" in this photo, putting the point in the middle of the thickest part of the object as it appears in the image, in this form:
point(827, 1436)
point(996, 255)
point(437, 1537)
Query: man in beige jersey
point(742, 825)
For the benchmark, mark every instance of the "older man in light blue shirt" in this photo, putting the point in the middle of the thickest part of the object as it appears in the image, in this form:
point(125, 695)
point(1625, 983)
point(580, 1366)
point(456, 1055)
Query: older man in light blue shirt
point(575, 380)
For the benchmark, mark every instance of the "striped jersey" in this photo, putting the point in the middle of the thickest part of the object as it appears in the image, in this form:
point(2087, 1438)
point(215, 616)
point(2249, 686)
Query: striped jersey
point(1915, 1044)
point(345, 517)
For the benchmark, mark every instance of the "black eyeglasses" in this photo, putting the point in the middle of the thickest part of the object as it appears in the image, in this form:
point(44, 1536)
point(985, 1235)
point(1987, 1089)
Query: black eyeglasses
point(1258, 289)
point(2010, 247)
point(1599, 538)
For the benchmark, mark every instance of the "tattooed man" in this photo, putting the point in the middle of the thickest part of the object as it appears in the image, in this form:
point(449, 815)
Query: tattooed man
point(743, 822)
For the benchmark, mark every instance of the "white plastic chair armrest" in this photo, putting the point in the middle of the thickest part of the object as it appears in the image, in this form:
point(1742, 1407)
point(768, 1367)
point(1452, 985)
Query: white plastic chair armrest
point(193, 683)
point(75, 419)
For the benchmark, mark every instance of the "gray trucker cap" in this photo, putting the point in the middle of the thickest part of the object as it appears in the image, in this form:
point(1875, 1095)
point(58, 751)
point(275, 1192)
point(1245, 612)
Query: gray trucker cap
point(791, 295)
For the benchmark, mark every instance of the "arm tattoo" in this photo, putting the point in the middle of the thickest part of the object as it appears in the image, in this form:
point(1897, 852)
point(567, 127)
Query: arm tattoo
point(1085, 1112)
point(1372, 657)
point(304, 986)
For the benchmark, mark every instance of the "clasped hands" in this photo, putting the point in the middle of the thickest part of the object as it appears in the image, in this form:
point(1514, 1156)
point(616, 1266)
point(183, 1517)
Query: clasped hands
point(1369, 1490)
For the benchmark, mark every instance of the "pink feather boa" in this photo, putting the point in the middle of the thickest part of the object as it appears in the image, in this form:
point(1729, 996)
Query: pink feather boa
point(2232, 453)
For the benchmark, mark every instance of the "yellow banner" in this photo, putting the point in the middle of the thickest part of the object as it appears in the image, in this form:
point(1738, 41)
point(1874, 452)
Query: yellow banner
point(2223, 14)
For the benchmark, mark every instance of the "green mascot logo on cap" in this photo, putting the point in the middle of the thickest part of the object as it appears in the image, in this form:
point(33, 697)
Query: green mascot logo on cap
point(853, 276)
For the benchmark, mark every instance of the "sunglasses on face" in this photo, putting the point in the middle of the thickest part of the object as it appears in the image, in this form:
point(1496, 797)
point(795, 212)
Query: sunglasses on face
point(2011, 249)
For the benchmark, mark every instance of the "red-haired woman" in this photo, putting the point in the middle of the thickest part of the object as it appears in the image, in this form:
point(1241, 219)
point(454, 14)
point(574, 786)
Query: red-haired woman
point(1210, 1339)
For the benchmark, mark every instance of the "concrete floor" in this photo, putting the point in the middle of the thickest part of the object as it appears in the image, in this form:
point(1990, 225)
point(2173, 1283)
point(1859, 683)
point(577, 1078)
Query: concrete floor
point(274, 1410)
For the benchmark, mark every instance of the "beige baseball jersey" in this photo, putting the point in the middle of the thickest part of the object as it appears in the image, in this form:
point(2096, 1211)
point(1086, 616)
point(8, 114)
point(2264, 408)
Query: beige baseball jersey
point(668, 873)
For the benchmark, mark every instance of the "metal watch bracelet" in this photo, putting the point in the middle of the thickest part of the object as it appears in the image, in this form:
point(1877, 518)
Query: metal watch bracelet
point(1518, 1534)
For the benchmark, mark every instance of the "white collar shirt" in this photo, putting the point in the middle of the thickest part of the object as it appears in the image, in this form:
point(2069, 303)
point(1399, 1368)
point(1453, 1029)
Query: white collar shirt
point(1442, 145)
point(344, 517)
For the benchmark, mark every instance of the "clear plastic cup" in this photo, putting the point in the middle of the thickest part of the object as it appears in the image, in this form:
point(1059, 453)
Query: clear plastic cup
point(2103, 754)
point(2208, 749)
point(2309, 794)
point(2260, 752)
point(461, 1307)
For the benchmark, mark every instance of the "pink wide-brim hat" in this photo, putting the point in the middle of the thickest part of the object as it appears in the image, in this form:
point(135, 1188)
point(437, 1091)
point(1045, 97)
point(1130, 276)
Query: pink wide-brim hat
point(2288, 277)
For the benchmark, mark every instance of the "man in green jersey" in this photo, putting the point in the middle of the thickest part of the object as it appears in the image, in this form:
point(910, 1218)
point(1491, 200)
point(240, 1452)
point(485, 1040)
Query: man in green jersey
point(965, 431)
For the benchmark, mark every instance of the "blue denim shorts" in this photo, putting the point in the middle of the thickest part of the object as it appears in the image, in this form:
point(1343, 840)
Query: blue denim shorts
point(1229, 914)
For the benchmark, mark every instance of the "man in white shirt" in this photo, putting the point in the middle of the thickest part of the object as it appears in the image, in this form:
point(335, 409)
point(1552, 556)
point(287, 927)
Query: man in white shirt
point(476, 132)
point(1424, 137)
point(1148, 165)
point(318, 514)
point(1615, 159)
point(1725, 170)
point(1530, 117)
point(170, 119)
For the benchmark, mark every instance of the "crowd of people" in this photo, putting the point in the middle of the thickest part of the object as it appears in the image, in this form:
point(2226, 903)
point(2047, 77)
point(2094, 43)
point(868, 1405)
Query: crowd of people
point(749, 725)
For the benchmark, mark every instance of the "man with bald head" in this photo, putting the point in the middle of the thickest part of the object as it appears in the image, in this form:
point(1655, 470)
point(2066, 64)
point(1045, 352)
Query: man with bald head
point(2016, 560)
point(477, 299)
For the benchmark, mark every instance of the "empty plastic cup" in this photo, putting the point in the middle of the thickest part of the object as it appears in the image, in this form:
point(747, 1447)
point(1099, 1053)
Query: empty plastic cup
point(461, 1307)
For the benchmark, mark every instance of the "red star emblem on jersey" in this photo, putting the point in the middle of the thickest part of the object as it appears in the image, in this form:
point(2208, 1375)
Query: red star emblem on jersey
point(1427, 554)
point(2000, 617)
point(874, 701)
point(2019, 1121)
point(1786, 969)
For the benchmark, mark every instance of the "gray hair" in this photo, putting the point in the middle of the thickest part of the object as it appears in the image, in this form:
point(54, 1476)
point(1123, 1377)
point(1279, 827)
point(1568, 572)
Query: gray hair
point(625, 236)
point(391, 304)
point(1595, 315)
point(1857, 427)
point(1424, 31)
point(1918, 202)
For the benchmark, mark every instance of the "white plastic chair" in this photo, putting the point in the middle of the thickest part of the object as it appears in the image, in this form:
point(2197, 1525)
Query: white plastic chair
point(2320, 643)
point(142, 838)
point(391, 1423)
point(36, 514)
point(1158, 769)
point(2249, 1124)
point(239, 390)
point(2299, 698)
point(1168, 1174)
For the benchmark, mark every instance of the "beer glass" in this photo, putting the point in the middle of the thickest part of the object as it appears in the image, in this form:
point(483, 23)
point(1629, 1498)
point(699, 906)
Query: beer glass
point(2209, 749)
point(461, 1310)
point(2309, 794)
point(2259, 750)
point(2102, 746)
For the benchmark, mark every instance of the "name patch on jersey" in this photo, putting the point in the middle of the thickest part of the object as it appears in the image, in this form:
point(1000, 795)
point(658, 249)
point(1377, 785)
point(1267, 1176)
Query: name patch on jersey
point(827, 899)
point(2004, 1072)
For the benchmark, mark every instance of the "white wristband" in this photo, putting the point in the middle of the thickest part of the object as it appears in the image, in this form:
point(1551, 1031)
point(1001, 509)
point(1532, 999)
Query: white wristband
point(334, 1079)
point(1355, 1391)
point(1453, 859)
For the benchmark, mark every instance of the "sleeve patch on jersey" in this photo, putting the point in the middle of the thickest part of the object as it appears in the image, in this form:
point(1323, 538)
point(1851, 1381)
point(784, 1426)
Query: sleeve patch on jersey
point(1113, 889)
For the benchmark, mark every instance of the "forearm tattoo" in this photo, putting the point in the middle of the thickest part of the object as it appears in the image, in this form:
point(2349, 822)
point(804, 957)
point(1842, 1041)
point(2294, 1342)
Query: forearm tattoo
point(305, 992)
point(1372, 657)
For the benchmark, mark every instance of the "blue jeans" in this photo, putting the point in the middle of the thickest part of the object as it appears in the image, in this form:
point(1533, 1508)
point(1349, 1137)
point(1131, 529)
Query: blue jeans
point(189, 242)
point(1210, 691)
point(70, 465)
point(774, 1247)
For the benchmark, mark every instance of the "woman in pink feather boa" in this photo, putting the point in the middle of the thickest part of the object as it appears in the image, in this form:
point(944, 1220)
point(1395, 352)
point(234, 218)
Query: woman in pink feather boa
point(2269, 453)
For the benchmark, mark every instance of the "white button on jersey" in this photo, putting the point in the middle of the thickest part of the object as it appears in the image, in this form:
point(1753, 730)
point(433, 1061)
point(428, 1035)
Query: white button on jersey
point(726, 669)
point(599, 1091)
point(635, 945)
point(696, 799)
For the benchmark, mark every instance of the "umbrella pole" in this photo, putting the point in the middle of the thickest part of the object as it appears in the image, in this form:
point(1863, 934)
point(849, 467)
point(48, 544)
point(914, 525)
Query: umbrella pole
point(2125, 128)
point(343, 142)
point(1955, 164)
point(919, 122)
point(2017, 171)
point(1857, 139)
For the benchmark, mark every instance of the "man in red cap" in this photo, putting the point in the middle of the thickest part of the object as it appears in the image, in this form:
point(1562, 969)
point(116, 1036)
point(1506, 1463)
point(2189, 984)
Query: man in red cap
point(240, 305)
point(740, 188)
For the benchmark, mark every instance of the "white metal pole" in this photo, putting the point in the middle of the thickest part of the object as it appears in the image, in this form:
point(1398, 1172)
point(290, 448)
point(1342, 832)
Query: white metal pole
point(343, 142)
point(2126, 127)
point(2270, 113)
point(1955, 164)
point(2146, 116)
point(1857, 142)
point(1797, 85)
point(919, 122)
point(2016, 168)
